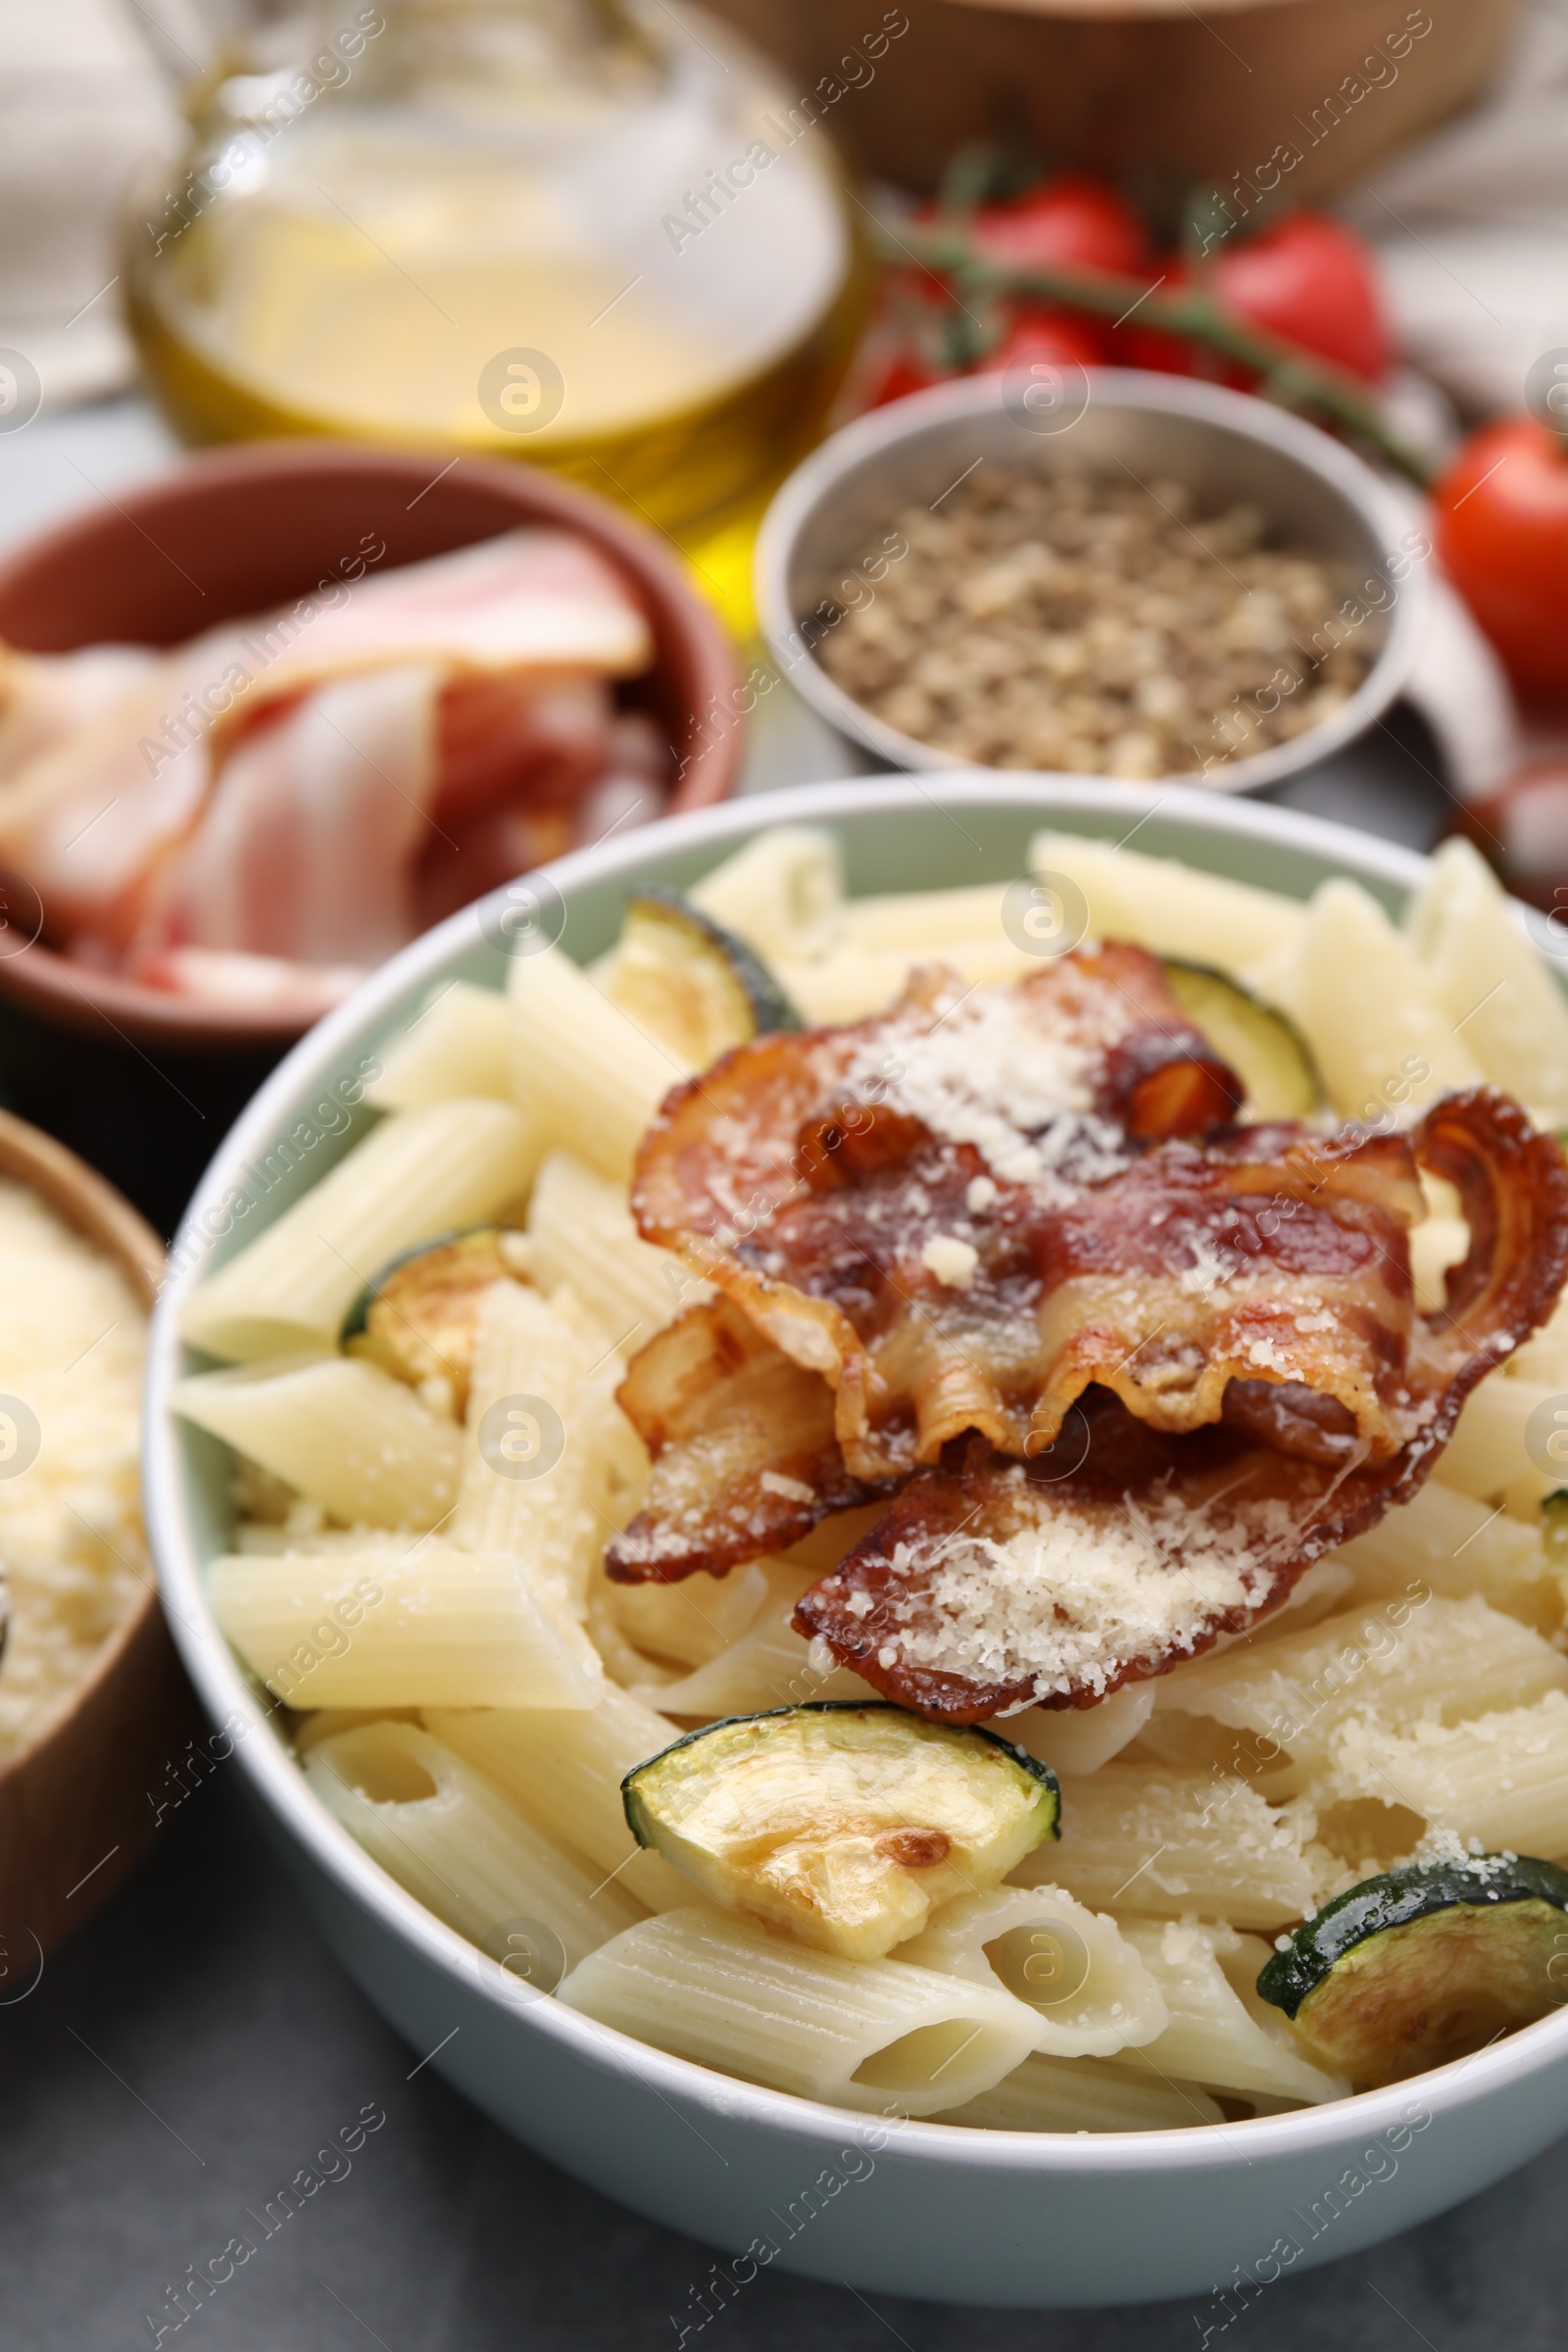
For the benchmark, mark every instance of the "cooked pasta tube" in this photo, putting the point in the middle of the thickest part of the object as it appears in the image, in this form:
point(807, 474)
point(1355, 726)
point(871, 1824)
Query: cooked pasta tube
point(1171, 907)
point(1147, 1837)
point(565, 1770)
point(1083, 2094)
point(437, 1626)
point(442, 1832)
point(1444, 1661)
point(589, 1079)
point(1486, 1454)
point(347, 1435)
point(923, 923)
point(770, 1666)
point(1079, 1740)
point(728, 1993)
point(1378, 1033)
point(1220, 2033)
point(781, 894)
point(693, 1622)
point(581, 1232)
point(459, 1044)
point(1488, 976)
point(1502, 1778)
point(1088, 1989)
point(420, 1173)
point(1447, 1543)
point(541, 1399)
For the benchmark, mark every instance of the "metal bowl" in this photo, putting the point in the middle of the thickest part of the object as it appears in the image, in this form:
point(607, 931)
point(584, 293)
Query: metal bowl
point(820, 541)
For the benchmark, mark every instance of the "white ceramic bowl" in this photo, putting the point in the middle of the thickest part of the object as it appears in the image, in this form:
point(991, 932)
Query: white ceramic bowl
point(820, 535)
point(917, 2209)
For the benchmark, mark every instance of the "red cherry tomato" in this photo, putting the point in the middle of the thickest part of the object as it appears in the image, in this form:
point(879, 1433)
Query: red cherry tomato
point(1040, 333)
point(1075, 221)
point(1311, 280)
point(898, 372)
point(1501, 513)
point(1308, 280)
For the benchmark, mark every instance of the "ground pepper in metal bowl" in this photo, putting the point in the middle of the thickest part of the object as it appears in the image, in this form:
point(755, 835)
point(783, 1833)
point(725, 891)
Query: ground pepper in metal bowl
point(1100, 626)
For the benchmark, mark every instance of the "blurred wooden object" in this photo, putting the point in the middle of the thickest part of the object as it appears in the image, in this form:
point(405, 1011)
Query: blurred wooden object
point(78, 1801)
point(1157, 93)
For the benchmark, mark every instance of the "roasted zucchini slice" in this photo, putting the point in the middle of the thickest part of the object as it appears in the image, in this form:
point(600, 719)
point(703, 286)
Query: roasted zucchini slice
point(694, 984)
point(1267, 1055)
point(416, 1318)
point(1425, 1964)
point(846, 1823)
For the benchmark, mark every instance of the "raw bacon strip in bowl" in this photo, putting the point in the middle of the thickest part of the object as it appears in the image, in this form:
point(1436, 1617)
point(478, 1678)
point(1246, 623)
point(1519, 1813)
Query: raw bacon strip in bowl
point(996, 1584)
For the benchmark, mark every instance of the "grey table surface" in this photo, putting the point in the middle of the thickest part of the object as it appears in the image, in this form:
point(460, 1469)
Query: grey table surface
point(195, 2046)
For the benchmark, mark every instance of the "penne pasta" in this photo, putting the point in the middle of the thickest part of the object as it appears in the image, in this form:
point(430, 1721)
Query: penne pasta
point(1379, 1032)
point(1426, 1661)
point(1079, 1740)
point(442, 1832)
point(695, 1621)
point(1084, 2094)
point(564, 1772)
point(534, 1453)
point(1085, 1983)
point(1447, 1543)
point(1144, 1838)
point(347, 1436)
point(923, 923)
point(770, 1665)
point(1487, 1454)
point(580, 1232)
point(587, 1077)
point(1490, 980)
point(729, 1993)
point(781, 894)
point(1220, 2033)
point(459, 1044)
point(435, 1626)
point(1502, 1778)
point(852, 981)
point(418, 1174)
point(1169, 907)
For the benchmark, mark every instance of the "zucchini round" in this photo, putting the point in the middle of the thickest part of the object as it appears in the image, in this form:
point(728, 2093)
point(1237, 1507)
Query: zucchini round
point(693, 983)
point(416, 1318)
point(1425, 1964)
point(846, 1823)
point(1267, 1053)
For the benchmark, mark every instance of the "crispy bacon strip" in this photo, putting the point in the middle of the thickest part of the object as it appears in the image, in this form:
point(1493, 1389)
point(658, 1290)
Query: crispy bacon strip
point(914, 1207)
point(823, 1180)
point(744, 1459)
point(999, 1585)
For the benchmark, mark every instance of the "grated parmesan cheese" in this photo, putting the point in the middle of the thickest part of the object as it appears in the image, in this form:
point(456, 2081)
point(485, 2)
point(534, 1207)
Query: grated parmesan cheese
point(71, 1339)
point(1081, 1594)
point(988, 1074)
point(951, 1261)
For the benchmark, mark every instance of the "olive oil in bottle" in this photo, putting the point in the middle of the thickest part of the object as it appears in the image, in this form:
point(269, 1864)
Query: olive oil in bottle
point(599, 239)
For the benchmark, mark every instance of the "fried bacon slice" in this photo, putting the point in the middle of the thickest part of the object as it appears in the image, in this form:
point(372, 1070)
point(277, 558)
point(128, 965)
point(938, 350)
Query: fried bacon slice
point(1124, 1548)
point(872, 1197)
point(744, 1459)
point(965, 1213)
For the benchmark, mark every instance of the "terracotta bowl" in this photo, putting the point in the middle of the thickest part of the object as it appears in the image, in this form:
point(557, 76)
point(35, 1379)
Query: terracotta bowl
point(74, 1812)
point(145, 1083)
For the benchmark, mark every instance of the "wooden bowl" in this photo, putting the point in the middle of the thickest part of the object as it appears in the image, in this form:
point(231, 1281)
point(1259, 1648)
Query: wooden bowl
point(78, 1802)
point(1155, 92)
point(147, 1083)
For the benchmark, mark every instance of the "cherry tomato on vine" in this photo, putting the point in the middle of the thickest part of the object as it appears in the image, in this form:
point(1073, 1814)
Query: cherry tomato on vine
point(1037, 333)
point(1311, 280)
point(1502, 530)
point(1075, 221)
